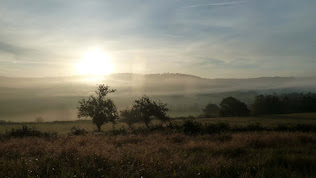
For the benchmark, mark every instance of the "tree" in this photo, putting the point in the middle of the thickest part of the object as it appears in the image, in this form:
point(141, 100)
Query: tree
point(211, 110)
point(129, 116)
point(308, 102)
point(145, 110)
point(231, 106)
point(269, 104)
point(100, 108)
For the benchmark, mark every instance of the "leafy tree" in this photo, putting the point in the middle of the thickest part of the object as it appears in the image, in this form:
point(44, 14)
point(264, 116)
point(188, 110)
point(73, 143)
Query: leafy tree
point(211, 110)
point(269, 104)
point(231, 106)
point(309, 103)
point(100, 108)
point(145, 110)
point(129, 116)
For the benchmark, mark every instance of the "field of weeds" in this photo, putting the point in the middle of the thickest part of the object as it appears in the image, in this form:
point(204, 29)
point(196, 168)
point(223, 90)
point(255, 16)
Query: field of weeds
point(63, 127)
point(280, 146)
point(248, 154)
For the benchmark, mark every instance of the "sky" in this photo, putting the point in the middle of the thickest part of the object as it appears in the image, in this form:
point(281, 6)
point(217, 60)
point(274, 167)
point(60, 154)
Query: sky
point(207, 38)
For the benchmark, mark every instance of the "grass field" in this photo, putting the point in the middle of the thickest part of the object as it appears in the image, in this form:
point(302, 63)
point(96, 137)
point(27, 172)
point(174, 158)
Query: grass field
point(269, 121)
point(158, 155)
point(163, 154)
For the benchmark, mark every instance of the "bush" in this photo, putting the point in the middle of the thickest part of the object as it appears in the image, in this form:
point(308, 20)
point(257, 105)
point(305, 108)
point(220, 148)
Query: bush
point(162, 128)
point(282, 128)
point(305, 128)
point(192, 128)
point(120, 131)
point(216, 128)
point(254, 127)
point(75, 130)
point(26, 131)
point(174, 126)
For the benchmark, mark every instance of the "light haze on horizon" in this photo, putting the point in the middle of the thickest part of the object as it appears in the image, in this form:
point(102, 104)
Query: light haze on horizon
point(207, 38)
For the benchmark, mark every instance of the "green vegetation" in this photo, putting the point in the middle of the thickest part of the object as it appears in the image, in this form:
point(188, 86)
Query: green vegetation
point(269, 121)
point(145, 110)
point(270, 146)
point(159, 154)
point(100, 108)
point(211, 110)
point(155, 145)
point(231, 106)
point(287, 103)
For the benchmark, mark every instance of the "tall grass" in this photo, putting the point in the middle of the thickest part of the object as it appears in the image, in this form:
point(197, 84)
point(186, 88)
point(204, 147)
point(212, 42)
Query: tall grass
point(251, 154)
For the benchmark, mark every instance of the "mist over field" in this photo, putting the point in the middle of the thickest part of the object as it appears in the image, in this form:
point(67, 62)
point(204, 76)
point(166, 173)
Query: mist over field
point(157, 88)
point(56, 98)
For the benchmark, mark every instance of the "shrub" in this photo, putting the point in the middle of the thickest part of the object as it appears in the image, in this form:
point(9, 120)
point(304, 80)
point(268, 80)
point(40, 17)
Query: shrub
point(216, 128)
point(222, 137)
point(192, 128)
point(305, 128)
point(282, 128)
point(26, 131)
point(254, 127)
point(75, 130)
point(120, 131)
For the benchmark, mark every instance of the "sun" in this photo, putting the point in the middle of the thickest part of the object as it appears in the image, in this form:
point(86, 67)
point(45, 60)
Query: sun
point(95, 62)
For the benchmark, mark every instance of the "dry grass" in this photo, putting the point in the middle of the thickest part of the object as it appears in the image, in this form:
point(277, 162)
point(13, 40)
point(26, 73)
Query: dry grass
point(264, 154)
point(267, 121)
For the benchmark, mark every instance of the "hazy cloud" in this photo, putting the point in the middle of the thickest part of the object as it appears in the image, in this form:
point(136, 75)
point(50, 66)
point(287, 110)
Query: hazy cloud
point(211, 38)
point(216, 4)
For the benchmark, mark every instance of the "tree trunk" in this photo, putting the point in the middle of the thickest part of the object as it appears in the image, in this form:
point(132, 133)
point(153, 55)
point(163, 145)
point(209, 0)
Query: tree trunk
point(99, 128)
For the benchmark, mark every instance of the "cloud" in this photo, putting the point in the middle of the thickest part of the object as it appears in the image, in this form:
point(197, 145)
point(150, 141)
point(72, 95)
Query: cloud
point(216, 4)
point(244, 38)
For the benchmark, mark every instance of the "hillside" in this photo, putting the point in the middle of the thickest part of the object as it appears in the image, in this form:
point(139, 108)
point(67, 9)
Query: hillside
point(55, 98)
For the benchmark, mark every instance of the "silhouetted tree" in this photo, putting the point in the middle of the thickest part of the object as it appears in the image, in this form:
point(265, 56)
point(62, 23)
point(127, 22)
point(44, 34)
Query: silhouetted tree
point(286, 103)
point(100, 108)
point(211, 110)
point(146, 109)
point(309, 103)
point(129, 117)
point(269, 104)
point(231, 106)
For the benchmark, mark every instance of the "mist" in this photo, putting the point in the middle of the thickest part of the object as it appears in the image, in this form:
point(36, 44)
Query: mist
point(56, 98)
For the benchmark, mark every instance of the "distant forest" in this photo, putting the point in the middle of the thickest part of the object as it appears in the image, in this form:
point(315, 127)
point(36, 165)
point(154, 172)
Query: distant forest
point(56, 98)
point(263, 105)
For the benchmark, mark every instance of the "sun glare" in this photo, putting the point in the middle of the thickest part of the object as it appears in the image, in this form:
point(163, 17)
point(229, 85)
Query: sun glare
point(95, 62)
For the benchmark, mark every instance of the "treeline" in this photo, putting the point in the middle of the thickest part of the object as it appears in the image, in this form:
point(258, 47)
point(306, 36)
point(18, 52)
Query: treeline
point(287, 103)
point(263, 105)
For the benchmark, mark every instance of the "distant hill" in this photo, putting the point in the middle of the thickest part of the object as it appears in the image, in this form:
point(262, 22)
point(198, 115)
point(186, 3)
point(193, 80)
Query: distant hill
point(55, 98)
point(160, 83)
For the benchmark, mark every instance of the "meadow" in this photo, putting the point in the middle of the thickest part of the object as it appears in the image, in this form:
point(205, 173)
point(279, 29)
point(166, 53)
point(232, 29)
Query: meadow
point(163, 152)
point(63, 127)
